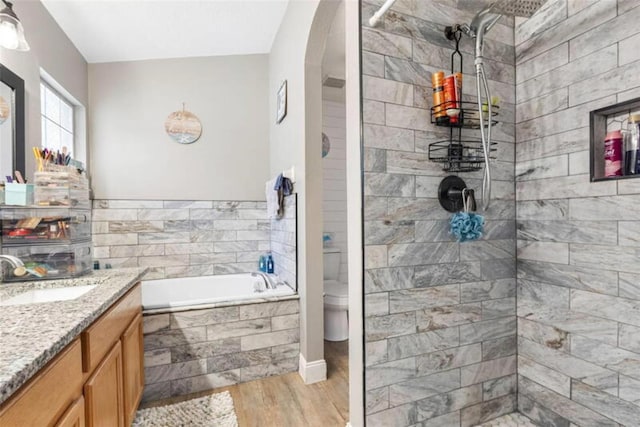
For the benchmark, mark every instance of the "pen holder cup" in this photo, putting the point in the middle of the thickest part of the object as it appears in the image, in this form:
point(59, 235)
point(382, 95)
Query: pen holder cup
point(18, 194)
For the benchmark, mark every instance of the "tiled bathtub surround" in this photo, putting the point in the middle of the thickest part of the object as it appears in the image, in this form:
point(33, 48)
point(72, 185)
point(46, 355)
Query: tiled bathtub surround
point(283, 242)
point(578, 265)
point(440, 317)
point(191, 351)
point(192, 238)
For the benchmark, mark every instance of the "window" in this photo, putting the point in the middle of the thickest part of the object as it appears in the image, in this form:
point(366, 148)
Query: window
point(57, 120)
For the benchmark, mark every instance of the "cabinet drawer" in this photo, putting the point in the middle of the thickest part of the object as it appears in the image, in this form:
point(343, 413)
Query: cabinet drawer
point(98, 338)
point(43, 400)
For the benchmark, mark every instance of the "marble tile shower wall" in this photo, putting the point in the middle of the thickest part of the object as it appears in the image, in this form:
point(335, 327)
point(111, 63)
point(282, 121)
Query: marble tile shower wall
point(182, 238)
point(440, 317)
point(578, 265)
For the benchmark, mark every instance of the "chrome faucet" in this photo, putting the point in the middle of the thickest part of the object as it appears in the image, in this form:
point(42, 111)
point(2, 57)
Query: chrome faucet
point(268, 281)
point(14, 261)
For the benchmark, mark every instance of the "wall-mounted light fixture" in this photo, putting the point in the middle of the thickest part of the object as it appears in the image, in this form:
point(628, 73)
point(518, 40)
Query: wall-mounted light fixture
point(11, 31)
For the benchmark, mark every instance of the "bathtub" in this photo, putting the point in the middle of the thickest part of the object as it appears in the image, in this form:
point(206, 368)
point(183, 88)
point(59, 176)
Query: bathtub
point(201, 333)
point(167, 295)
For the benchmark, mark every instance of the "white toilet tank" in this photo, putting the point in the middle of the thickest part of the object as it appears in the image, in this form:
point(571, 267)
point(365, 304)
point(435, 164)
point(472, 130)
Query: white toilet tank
point(331, 259)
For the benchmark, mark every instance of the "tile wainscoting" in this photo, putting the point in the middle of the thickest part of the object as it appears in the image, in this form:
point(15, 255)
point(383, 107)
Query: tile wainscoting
point(193, 238)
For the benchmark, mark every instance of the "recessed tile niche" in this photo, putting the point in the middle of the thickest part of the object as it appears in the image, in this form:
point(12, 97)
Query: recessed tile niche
point(605, 120)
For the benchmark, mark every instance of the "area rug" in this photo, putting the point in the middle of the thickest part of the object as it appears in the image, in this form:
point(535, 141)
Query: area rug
point(511, 420)
point(215, 410)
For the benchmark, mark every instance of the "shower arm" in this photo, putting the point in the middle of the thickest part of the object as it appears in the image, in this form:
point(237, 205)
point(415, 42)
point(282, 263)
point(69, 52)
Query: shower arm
point(376, 16)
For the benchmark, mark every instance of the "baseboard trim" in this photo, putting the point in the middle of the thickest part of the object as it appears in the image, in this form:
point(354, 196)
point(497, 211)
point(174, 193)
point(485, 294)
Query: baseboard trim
point(312, 372)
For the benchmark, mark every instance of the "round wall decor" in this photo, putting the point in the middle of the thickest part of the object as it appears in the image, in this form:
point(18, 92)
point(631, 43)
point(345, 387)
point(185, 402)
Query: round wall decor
point(183, 127)
point(326, 145)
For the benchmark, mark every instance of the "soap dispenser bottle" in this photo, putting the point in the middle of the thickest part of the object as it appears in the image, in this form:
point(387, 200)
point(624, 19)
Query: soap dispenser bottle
point(269, 263)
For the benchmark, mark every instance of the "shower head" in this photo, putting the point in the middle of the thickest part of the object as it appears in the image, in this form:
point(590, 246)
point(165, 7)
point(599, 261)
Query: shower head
point(488, 16)
point(523, 8)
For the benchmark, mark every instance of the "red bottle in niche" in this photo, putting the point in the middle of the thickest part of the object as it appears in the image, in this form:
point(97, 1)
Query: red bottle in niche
point(613, 154)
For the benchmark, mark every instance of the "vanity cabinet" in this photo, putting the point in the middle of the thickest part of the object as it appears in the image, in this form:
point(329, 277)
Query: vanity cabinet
point(97, 380)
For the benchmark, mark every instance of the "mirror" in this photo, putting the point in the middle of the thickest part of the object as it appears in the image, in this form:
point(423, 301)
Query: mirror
point(12, 154)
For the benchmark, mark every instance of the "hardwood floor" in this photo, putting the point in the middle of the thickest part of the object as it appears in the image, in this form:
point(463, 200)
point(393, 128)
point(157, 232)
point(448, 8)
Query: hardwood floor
point(285, 401)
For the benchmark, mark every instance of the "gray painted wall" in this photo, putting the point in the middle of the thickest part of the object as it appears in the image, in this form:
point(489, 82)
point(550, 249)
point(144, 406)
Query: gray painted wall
point(129, 102)
point(52, 51)
point(296, 56)
point(578, 291)
point(440, 323)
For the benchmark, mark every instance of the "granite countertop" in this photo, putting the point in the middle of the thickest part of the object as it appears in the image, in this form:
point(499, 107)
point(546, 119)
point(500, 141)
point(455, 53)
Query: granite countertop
point(32, 334)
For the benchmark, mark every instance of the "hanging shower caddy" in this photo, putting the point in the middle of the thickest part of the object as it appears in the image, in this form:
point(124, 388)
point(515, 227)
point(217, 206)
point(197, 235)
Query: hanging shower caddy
point(460, 153)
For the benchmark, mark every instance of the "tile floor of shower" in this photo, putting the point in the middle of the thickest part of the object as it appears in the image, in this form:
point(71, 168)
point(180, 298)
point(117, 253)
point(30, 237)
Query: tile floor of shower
point(510, 420)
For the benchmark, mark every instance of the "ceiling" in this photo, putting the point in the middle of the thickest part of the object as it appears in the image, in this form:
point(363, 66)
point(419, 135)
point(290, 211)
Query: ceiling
point(130, 30)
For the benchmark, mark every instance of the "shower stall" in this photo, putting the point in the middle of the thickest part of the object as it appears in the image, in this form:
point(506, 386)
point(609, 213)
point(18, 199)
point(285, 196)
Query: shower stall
point(541, 315)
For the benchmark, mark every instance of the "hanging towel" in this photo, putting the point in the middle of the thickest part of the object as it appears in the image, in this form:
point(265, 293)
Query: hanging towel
point(283, 187)
point(272, 198)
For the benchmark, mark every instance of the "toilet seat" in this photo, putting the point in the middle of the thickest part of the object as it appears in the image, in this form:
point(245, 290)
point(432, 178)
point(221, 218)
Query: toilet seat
point(336, 293)
point(335, 288)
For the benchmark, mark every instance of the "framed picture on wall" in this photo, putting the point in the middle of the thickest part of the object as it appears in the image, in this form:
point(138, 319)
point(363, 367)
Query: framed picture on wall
point(281, 102)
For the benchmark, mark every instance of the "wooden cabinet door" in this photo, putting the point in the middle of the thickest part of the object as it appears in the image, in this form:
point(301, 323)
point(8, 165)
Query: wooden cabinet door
point(133, 368)
point(74, 417)
point(103, 392)
point(48, 394)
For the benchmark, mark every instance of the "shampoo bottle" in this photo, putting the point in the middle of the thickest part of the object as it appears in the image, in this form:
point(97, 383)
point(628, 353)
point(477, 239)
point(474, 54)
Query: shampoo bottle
point(269, 263)
point(632, 146)
point(613, 154)
point(262, 264)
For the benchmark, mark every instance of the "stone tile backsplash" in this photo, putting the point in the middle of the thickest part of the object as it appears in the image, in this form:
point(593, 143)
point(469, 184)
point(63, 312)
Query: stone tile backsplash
point(193, 238)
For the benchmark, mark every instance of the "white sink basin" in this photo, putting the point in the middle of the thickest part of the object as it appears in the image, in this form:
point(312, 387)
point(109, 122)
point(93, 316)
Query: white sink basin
point(47, 295)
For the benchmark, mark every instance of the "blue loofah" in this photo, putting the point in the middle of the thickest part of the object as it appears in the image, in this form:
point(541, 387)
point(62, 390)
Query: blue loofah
point(466, 226)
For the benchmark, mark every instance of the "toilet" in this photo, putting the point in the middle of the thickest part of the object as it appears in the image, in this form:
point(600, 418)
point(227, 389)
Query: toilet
point(336, 298)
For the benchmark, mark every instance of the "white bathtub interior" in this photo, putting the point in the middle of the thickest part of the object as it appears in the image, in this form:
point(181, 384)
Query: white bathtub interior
point(206, 290)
